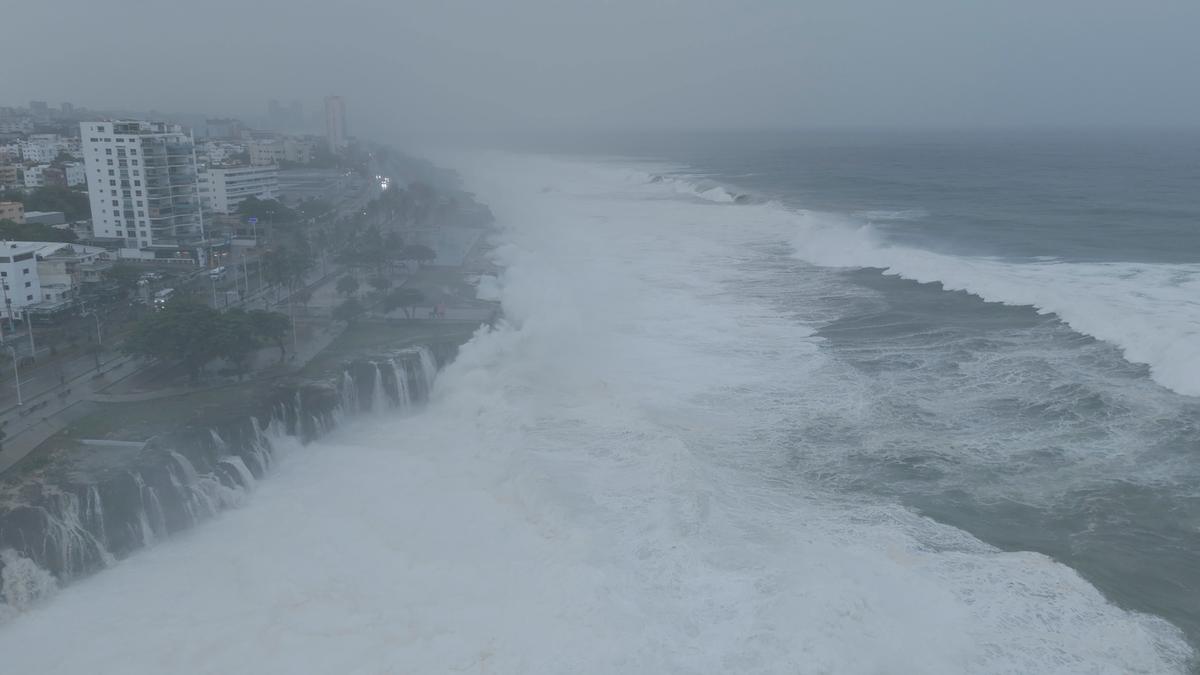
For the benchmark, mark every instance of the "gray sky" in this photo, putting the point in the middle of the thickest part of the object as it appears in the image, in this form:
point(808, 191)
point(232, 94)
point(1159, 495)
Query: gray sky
point(436, 66)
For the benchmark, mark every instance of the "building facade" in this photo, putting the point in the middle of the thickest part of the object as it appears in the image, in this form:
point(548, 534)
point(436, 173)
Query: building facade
point(74, 174)
point(222, 189)
point(19, 285)
point(266, 153)
point(142, 183)
point(14, 211)
point(9, 176)
point(35, 176)
point(335, 123)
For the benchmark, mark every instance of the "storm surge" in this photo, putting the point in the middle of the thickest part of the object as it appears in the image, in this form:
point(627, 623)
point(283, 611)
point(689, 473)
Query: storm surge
point(604, 482)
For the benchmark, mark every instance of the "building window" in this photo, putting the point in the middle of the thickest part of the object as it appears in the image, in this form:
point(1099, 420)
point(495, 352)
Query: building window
point(141, 213)
point(25, 270)
point(110, 162)
point(139, 193)
point(108, 151)
point(134, 162)
point(132, 151)
point(116, 203)
point(112, 183)
point(110, 172)
point(28, 284)
point(29, 297)
point(137, 183)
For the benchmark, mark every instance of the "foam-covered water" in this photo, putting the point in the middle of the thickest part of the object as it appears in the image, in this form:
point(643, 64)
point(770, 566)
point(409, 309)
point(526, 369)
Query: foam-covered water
point(610, 481)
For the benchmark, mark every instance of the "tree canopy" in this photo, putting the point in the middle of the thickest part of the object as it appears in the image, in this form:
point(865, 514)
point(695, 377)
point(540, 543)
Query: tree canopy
point(14, 231)
point(266, 210)
point(347, 285)
point(403, 298)
point(73, 204)
point(191, 334)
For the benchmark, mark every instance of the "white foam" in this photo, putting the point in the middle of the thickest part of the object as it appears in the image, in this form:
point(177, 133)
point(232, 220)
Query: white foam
point(599, 485)
point(1150, 310)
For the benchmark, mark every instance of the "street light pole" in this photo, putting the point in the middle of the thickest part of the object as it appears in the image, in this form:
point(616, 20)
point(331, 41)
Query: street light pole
point(29, 327)
point(16, 374)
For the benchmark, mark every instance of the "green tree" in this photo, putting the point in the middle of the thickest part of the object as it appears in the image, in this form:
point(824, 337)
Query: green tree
point(270, 327)
point(268, 210)
point(403, 298)
point(419, 253)
point(13, 231)
point(348, 311)
point(125, 276)
point(73, 204)
point(182, 332)
point(234, 338)
point(380, 282)
point(347, 285)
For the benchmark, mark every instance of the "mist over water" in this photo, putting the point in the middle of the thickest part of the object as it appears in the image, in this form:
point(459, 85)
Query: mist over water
point(628, 475)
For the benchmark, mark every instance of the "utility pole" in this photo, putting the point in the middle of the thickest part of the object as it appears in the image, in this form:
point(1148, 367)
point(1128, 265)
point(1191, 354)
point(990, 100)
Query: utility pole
point(16, 374)
point(29, 327)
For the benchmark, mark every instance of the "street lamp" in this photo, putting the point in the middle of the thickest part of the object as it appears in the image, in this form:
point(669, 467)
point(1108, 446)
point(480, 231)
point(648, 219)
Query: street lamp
point(16, 373)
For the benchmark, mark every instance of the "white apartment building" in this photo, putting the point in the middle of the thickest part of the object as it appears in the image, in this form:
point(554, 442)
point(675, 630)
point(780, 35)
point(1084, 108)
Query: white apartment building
point(35, 175)
point(335, 123)
point(219, 152)
point(74, 173)
point(266, 153)
point(60, 270)
point(43, 148)
point(142, 183)
point(222, 189)
point(19, 285)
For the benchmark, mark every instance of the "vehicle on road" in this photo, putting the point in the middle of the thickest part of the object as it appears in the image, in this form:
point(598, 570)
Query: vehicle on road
point(161, 298)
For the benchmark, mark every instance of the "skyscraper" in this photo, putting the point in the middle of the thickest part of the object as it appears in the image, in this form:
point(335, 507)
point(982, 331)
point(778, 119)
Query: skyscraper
point(335, 123)
point(142, 182)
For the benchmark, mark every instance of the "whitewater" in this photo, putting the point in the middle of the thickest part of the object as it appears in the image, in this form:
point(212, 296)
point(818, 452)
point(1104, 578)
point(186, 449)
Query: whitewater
point(604, 483)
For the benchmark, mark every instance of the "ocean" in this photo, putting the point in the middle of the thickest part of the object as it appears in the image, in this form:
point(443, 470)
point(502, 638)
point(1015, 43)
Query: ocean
point(761, 403)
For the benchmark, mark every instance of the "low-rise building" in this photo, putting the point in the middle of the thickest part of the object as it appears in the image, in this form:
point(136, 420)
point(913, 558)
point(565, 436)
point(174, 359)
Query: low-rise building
point(222, 189)
point(74, 174)
point(266, 152)
point(9, 176)
point(299, 150)
point(14, 211)
point(43, 148)
point(19, 284)
point(219, 152)
point(35, 176)
point(62, 268)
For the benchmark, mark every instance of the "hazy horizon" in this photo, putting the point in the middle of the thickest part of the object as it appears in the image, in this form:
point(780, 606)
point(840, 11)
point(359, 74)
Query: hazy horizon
point(489, 71)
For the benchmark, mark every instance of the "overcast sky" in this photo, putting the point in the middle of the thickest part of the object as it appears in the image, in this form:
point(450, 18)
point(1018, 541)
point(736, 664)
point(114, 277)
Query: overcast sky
point(436, 66)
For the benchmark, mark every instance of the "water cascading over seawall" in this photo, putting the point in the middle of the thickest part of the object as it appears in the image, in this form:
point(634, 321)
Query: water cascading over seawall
point(64, 522)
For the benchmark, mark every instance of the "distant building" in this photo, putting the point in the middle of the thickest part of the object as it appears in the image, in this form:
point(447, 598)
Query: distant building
point(222, 189)
point(265, 152)
point(142, 183)
point(219, 152)
point(335, 123)
point(223, 127)
point(43, 148)
point(298, 150)
point(14, 211)
point(74, 174)
point(35, 176)
point(9, 176)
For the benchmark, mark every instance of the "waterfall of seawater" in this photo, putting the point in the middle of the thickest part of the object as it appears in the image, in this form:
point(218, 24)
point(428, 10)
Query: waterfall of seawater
point(56, 526)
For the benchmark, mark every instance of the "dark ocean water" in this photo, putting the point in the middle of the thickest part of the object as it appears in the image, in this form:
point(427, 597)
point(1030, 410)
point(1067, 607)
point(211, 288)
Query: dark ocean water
point(1030, 411)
